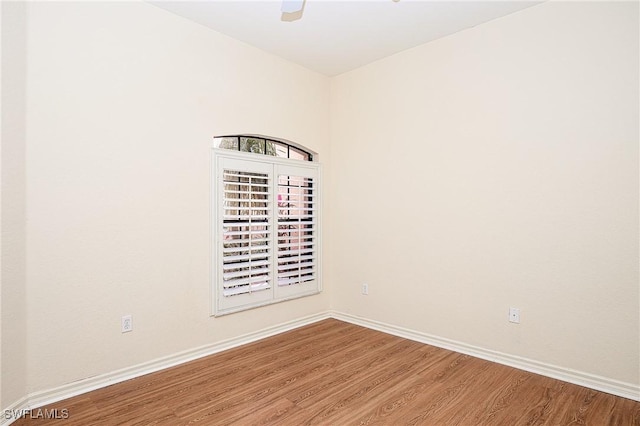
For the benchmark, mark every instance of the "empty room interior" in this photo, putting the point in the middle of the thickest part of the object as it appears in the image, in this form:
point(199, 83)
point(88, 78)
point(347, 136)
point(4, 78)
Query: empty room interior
point(434, 205)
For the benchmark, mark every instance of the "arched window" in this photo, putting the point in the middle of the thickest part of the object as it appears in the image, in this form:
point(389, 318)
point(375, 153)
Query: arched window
point(262, 145)
point(265, 222)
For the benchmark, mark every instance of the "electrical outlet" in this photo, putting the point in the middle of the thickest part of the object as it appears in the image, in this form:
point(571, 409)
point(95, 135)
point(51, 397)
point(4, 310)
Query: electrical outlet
point(365, 289)
point(127, 324)
point(514, 315)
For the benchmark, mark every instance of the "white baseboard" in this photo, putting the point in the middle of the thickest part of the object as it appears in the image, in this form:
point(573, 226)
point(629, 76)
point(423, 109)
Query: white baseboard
point(14, 411)
point(604, 384)
point(41, 398)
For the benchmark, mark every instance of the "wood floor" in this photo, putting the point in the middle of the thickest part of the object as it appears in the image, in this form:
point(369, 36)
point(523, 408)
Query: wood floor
point(335, 373)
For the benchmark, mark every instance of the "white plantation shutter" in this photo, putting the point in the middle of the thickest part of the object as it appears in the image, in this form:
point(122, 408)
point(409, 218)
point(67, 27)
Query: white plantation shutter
point(245, 233)
point(246, 249)
point(297, 229)
point(265, 231)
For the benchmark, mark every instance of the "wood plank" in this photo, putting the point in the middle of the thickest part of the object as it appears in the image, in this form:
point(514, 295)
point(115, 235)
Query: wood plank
point(337, 373)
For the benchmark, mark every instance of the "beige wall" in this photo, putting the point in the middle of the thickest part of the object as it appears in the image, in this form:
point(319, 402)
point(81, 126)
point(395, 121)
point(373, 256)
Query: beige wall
point(498, 167)
point(123, 100)
point(13, 318)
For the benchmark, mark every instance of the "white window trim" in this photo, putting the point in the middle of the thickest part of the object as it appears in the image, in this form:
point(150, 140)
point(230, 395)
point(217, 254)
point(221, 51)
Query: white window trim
point(217, 155)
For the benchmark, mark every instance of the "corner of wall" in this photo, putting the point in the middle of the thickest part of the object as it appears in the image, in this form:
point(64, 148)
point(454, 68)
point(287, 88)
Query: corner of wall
point(13, 220)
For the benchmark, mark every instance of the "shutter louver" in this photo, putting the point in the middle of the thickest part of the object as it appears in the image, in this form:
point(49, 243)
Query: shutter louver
point(297, 229)
point(246, 251)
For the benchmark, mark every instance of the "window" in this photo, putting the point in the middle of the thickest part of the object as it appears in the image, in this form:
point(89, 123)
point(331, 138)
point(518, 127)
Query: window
point(261, 145)
point(265, 223)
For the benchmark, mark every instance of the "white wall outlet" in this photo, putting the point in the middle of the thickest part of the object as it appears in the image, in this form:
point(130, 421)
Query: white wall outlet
point(127, 324)
point(514, 315)
point(365, 289)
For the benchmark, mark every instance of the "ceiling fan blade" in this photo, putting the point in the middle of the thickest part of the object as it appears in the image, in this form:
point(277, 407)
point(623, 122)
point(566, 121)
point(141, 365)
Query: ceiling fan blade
point(292, 6)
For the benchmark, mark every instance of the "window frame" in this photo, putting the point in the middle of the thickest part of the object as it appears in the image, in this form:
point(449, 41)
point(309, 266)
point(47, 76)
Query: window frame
point(277, 293)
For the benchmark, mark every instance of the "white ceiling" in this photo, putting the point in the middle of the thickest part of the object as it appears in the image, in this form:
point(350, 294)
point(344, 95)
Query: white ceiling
point(333, 37)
